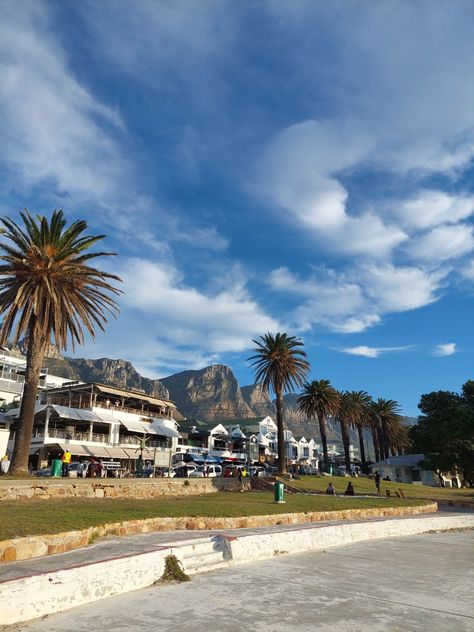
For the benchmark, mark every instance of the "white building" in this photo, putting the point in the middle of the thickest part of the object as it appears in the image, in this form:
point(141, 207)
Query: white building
point(12, 378)
point(96, 420)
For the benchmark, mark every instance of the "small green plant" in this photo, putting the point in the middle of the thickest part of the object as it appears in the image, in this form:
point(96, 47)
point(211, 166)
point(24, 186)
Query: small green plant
point(186, 483)
point(174, 570)
point(93, 537)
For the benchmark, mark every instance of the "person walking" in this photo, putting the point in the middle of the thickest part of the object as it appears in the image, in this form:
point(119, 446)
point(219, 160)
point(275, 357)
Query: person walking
point(66, 460)
point(377, 481)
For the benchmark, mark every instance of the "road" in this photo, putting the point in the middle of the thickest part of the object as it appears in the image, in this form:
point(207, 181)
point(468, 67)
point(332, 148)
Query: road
point(408, 584)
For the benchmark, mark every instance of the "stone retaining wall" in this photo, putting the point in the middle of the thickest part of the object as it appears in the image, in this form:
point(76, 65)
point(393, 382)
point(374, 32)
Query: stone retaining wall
point(37, 546)
point(46, 489)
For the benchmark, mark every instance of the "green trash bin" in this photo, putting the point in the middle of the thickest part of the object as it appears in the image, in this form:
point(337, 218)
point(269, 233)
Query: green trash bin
point(279, 490)
point(56, 468)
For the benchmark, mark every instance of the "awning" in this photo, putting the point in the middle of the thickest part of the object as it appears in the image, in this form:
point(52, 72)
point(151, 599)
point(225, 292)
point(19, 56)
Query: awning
point(132, 425)
point(75, 414)
point(75, 449)
point(164, 431)
point(117, 453)
point(95, 451)
point(15, 412)
point(107, 416)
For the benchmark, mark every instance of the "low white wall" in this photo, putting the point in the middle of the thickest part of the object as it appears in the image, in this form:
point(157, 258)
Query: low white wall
point(252, 548)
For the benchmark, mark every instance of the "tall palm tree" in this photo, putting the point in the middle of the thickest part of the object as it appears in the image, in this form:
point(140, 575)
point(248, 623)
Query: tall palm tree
point(387, 413)
point(279, 365)
point(362, 421)
point(319, 399)
point(350, 411)
point(48, 290)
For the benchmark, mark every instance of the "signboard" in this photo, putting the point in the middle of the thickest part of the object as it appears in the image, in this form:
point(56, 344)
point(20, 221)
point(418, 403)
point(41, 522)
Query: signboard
point(162, 458)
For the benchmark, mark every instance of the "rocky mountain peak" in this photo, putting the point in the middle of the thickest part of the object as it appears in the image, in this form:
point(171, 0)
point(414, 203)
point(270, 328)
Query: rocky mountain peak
point(209, 393)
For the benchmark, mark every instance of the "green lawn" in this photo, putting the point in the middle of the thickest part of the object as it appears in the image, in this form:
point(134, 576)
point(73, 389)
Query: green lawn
point(363, 485)
point(32, 517)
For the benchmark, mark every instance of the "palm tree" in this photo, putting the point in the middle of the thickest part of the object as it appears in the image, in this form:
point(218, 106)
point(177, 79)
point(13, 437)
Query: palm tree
point(318, 400)
point(279, 365)
point(387, 414)
point(362, 421)
point(48, 290)
point(350, 411)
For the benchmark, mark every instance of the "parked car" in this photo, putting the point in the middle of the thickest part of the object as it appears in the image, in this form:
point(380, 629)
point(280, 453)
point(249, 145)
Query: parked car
point(45, 471)
point(76, 467)
point(167, 473)
point(212, 471)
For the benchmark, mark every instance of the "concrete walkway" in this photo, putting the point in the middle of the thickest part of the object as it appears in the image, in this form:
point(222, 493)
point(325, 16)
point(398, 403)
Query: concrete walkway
point(413, 584)
point(33, 588)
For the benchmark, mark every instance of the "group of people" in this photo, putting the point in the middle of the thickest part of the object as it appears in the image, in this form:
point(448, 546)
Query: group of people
point(90, 469)
point(350, 491)
point(235, 472)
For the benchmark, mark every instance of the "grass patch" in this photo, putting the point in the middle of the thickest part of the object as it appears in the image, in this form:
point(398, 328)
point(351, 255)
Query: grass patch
point(33, 517)
point(363, 485)
point(174, 571)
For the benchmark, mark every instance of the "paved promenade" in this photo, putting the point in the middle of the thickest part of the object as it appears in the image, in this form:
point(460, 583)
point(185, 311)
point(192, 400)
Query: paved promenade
point(410, 584)
point(44, 586)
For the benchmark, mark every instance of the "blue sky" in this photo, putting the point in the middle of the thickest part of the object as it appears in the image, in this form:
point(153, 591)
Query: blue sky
point(275, 165)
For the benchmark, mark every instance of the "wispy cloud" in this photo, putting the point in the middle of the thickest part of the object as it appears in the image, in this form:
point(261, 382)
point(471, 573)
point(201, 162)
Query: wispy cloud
point(220, 321)
point(372, 352)
point(354, 300)
point(445, 349)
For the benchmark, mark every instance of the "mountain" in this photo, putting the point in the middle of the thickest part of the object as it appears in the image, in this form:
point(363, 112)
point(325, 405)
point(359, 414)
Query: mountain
point(258, 400)
point(119, 373)
point(208, 394)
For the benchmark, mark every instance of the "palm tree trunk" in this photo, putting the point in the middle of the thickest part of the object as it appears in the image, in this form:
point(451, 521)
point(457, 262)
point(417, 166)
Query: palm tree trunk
point(346, 442)
point(34, 362)
point(280, 432)
point(361, 446)
point(375, 441)
point(381, 442)
point(324, 440)
point(386, 447)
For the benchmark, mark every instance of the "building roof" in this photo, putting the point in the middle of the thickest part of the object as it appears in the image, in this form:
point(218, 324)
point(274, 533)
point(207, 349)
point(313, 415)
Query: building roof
point(402, 460)
point(113, 391)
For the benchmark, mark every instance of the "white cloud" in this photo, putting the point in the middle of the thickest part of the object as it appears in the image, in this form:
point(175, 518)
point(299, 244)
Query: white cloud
point(443, 243)
point(468, 271)
point(372, 352)
point(400, 288)
point(52, 128)
point(431, 208)
point(445, 349)
point(297, 173)
point(355, 300)
point(221, 322)
point(329, 300)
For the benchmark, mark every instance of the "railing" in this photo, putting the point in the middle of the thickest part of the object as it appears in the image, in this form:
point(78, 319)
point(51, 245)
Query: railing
point(85, 403)
point(11, 386)
point(58, 433)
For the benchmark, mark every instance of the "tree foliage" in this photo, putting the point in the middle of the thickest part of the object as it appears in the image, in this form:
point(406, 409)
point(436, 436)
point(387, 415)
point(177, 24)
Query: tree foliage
point(445, 431)
point(318, 400)
point(279, 364)
point(48, 289)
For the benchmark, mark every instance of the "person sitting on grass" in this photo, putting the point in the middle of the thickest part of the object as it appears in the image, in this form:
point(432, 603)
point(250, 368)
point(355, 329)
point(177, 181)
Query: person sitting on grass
point(350, 489)
point(330, 490)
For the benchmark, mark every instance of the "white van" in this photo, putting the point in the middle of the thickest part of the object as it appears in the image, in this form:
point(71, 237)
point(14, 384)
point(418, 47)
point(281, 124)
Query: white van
point(205, 471)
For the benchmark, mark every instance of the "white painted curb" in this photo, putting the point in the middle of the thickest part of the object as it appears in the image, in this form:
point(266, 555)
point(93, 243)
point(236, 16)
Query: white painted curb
point(34, 596)
point(252, 548)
